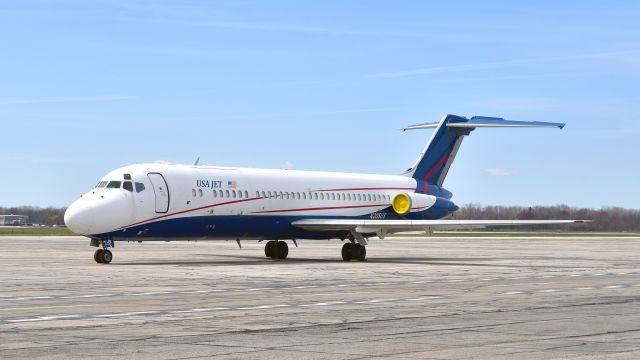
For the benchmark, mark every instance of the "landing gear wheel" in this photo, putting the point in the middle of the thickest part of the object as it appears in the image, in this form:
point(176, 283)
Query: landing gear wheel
point(97, 256)
point(106, 256)
point(359, 252)
point(283, 250)
point(270, 249)
point(346, 251)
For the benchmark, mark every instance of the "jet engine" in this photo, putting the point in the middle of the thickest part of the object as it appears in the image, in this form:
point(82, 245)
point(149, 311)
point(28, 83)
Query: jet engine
point(405, 203)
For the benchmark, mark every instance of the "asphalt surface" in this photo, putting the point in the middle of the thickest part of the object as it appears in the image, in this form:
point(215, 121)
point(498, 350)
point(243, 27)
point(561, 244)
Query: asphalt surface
point(438, 298)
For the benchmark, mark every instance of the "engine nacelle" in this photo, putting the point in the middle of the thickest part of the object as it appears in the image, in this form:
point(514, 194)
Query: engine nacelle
point(405, 203)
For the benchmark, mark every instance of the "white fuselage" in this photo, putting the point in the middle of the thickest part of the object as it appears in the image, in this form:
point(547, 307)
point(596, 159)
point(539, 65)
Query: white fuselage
point(180, 192)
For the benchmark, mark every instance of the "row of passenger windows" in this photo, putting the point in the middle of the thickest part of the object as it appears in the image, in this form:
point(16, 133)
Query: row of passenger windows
point(239, 194)
point(127, 185)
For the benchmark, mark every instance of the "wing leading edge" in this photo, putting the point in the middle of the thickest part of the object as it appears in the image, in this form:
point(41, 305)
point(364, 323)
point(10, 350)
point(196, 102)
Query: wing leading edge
point(394, 226)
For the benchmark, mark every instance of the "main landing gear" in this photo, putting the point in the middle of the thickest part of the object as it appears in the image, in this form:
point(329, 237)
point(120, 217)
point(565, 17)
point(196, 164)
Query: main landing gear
point(354, 251)
point(104, 255)
point(276, 250)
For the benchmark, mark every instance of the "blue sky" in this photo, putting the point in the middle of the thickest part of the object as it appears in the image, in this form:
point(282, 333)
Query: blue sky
point(89, 86)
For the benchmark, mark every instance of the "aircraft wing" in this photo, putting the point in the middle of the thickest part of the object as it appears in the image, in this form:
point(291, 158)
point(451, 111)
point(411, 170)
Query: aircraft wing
point(382, 227)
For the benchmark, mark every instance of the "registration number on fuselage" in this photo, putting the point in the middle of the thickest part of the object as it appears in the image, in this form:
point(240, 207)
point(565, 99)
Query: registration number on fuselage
point(378, 216)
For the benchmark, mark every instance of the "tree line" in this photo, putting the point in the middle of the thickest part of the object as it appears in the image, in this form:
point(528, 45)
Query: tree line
point(44, 216)
point(613, 219)
point(606, 219)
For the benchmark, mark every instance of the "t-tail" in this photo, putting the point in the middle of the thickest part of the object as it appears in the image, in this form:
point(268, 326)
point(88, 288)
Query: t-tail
point(435, 161)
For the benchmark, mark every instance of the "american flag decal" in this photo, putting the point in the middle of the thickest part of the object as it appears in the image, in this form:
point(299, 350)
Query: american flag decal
point(232, 184)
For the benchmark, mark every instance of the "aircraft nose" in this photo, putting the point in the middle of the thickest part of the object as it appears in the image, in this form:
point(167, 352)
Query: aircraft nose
point(79, 218)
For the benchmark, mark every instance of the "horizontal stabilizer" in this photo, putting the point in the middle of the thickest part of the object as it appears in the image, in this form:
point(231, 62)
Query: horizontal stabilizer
point(488, 122)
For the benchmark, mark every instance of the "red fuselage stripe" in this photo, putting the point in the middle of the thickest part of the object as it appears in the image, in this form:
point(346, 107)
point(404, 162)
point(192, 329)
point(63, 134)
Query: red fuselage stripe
point(190, 210)
point(368, 189)
point(320, 208)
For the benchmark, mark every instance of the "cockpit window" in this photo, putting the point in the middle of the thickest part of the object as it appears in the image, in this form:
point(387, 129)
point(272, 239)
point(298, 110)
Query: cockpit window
point(128, 185)
point(139, 187)
point(102, 184)
point(114, 184)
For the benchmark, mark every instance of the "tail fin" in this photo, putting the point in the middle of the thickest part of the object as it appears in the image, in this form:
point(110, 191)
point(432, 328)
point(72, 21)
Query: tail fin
point(436, 159)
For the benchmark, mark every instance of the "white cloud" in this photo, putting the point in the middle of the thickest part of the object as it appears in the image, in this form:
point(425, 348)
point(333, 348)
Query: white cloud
point(59, 99)
point(499, 172)
point(258, 26)
point(288, 165)
point(611, 56)
point(513, 104)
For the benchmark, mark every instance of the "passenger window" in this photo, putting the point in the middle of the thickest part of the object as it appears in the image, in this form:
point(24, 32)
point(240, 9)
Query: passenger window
point(220, 193)
point(114, 184)
point(228, 194)
point(315, 195)
point(200, 192)
point(193, 192)
point(215, 194)
point(246, 194)
point(234, 194)
point(240, 194)
point(128, 185)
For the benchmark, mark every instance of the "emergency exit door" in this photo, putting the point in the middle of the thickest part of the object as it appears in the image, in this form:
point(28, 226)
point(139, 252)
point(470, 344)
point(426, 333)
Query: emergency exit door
point(161, 190)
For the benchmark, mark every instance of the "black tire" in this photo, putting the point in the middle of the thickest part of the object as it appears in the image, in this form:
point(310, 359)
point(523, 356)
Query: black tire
point(106, 257)
point(283, 250)
point(346, 251)
point(269, 249)
point(359, 252)
point(97, 256)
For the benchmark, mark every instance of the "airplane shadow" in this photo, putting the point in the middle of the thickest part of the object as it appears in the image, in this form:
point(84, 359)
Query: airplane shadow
point(238, 260)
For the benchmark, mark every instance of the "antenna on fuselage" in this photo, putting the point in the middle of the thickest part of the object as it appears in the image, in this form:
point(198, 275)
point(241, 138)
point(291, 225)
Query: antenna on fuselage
point(197, 161)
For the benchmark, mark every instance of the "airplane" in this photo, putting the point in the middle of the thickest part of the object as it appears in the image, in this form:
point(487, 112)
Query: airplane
point(173, 202)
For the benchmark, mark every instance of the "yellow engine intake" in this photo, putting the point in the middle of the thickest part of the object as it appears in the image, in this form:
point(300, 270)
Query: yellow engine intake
point(401, 204)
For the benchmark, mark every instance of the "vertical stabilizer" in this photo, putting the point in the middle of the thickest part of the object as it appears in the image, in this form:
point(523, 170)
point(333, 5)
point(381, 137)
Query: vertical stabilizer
point(436, 159)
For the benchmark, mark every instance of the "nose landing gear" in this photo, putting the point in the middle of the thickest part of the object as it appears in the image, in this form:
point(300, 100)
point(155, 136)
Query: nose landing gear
point(104, 255)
